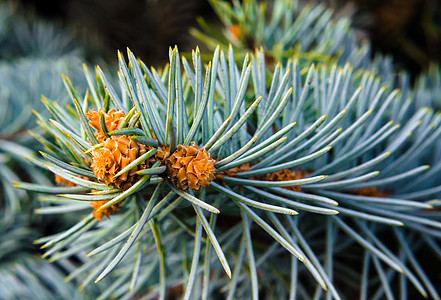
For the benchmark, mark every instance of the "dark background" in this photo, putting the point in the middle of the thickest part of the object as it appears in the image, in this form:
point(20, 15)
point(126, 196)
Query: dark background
point(410, 30)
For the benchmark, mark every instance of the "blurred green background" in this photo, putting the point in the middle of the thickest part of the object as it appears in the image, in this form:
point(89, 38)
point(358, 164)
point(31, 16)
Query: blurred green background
point(410, 30)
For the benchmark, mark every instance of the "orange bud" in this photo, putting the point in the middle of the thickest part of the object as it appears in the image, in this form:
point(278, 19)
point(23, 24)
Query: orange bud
point(117, 153)
point(285, 175)
point(64, 182)
point(191, 167)
point(107, 212)
point(370, 191)
point(112, 119)
point(236, 31)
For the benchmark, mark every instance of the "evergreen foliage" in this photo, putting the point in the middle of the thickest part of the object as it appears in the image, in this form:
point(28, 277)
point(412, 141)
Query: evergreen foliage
point(32, 56)
point(326, 168)
point(349, 141)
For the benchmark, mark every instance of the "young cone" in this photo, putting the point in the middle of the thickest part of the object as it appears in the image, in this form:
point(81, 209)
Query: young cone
point(191, 167)
point(116, 154)
point(112, 119)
